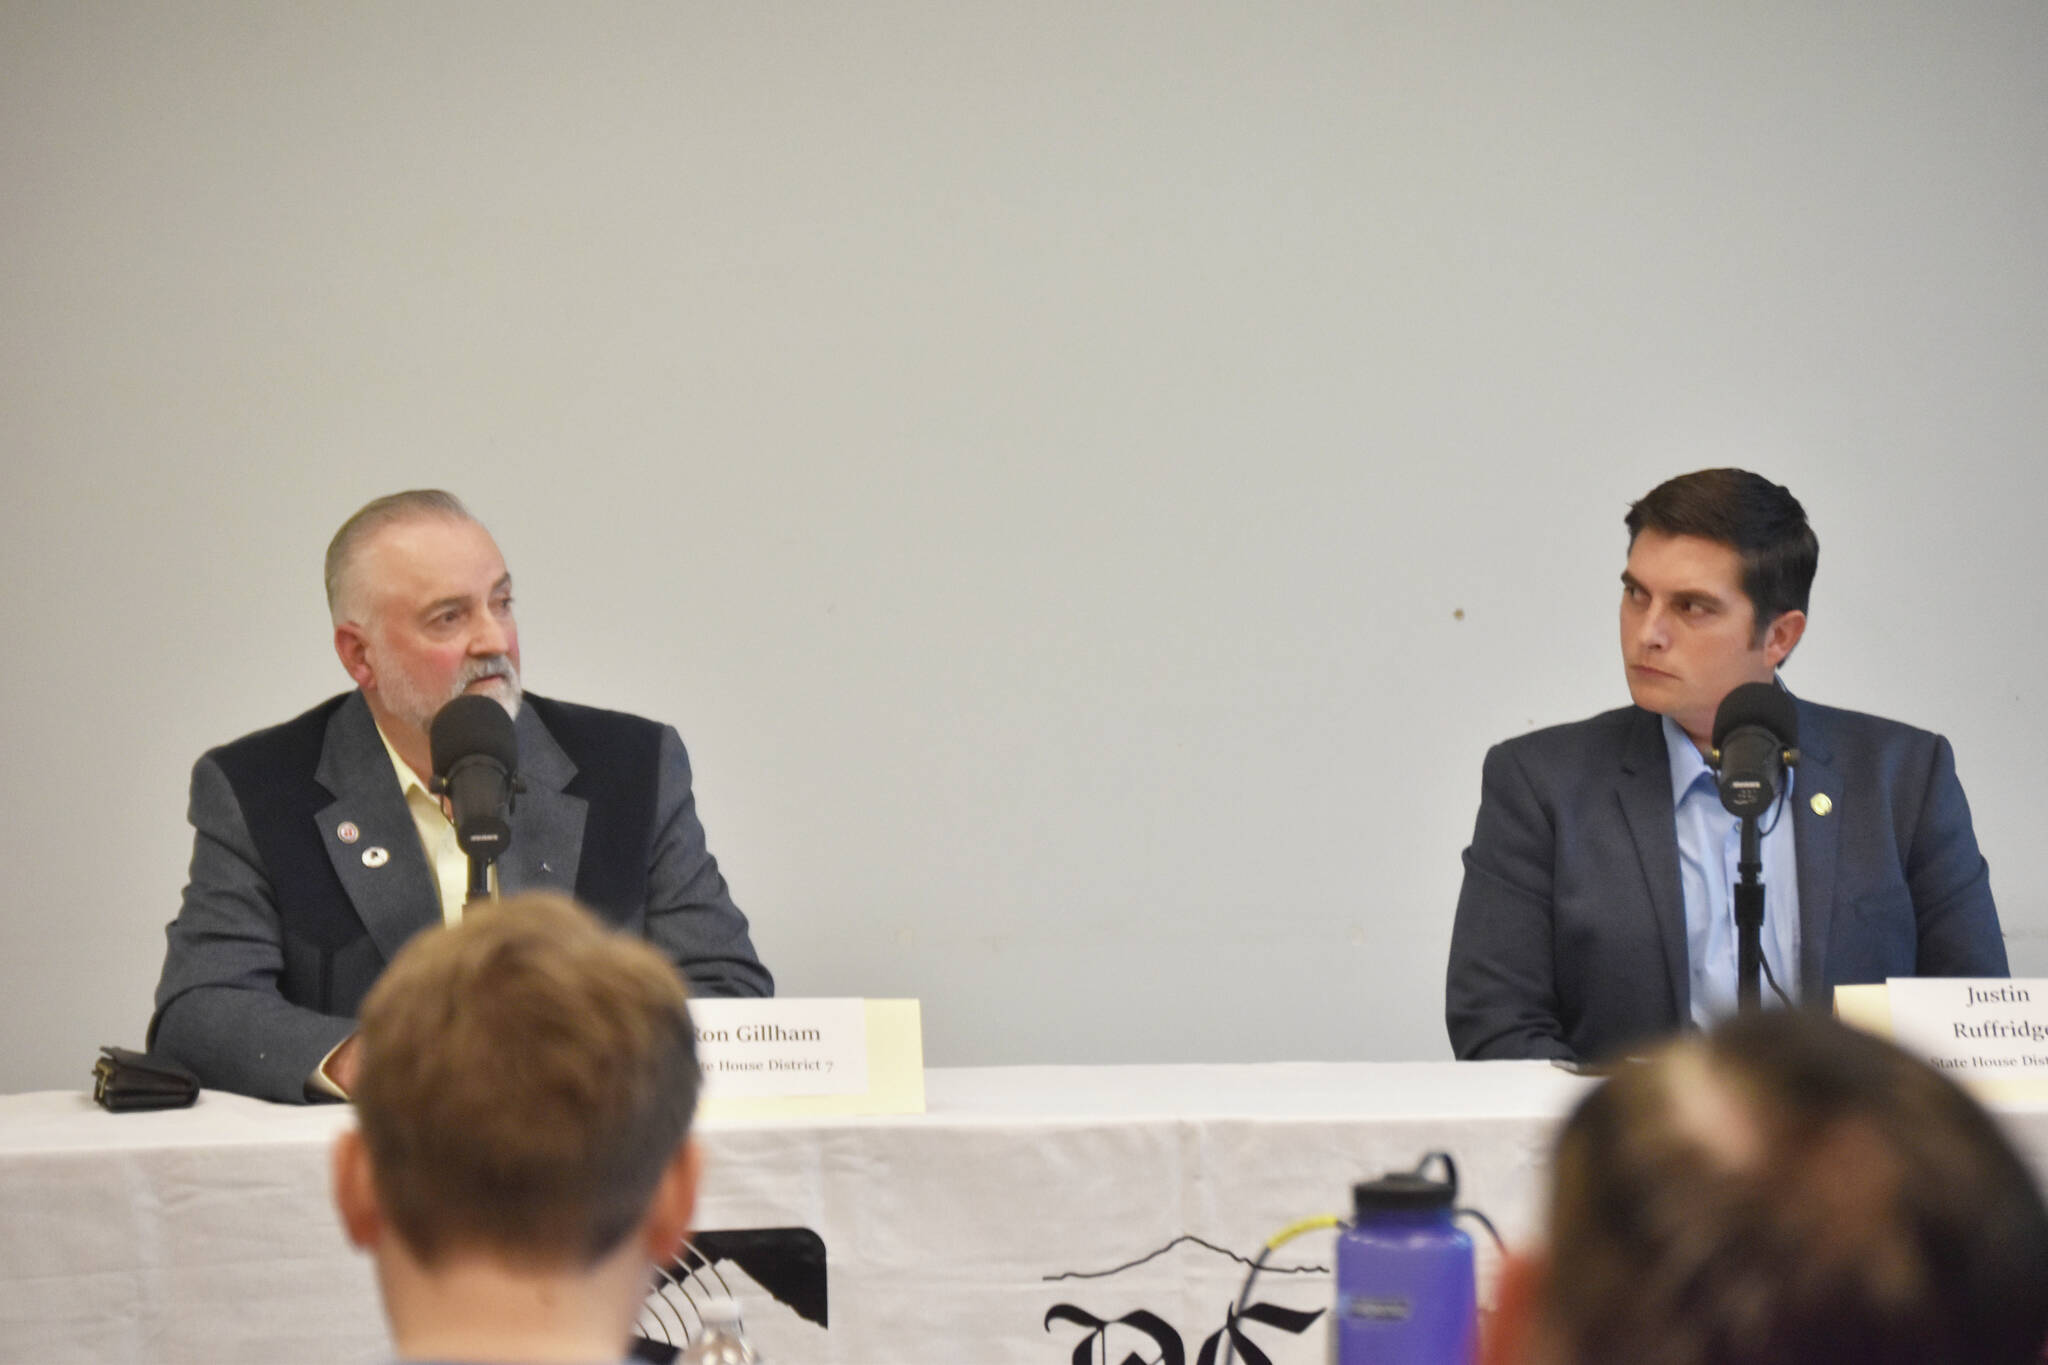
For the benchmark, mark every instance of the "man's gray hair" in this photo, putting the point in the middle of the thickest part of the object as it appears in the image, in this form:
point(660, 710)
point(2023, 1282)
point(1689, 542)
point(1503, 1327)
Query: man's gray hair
point(412, 505)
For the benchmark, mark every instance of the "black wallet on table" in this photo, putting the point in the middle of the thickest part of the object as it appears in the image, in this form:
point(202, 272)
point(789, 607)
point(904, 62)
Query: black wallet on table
point(124, 1080)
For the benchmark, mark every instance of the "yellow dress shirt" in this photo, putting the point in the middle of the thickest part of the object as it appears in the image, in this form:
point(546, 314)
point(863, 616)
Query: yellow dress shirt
point(444, 855)
point(437, 838)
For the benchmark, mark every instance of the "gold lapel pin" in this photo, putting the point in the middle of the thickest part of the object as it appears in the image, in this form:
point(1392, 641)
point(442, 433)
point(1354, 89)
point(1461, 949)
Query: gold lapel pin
point(1820, 803)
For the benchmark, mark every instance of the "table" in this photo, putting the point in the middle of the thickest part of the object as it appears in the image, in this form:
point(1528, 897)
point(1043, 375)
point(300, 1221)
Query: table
point(1023, 1217)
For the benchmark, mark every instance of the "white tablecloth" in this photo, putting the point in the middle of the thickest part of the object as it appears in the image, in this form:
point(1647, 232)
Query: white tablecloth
point(206, 1234)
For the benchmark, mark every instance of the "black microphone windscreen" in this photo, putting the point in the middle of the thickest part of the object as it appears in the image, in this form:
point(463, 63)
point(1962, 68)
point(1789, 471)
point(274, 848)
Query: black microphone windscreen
point(471, 726)
point(1764, 705)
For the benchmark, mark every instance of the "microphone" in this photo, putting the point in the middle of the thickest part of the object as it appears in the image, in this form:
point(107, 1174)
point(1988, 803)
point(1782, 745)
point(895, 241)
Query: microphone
point(1756, 737)
point(476, 759)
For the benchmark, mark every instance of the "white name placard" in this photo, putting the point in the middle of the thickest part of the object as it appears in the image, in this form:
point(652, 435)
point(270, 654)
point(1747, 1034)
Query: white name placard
point(789, 1058)
point(781, 1047)
point(1973, 1027)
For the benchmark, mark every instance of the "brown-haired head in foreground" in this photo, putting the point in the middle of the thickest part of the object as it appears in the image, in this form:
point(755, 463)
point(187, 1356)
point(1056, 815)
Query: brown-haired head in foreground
point(1789, 1190)
point(526, 1077)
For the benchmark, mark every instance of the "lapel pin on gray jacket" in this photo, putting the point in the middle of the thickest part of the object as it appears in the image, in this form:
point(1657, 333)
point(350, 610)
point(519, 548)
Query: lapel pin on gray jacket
point(375, 857)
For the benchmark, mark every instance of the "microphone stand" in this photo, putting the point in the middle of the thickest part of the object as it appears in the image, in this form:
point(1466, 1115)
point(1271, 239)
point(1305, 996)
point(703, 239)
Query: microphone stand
point(1756, 732)
point(1749, 919)
point(479, 880)
point(481, 856)
point(482, 851)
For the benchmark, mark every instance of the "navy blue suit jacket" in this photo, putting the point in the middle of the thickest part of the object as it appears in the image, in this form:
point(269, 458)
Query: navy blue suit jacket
point(1570, 936)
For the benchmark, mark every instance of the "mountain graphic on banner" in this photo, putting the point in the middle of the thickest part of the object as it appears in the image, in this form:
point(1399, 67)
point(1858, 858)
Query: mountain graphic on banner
point(1187, 1238)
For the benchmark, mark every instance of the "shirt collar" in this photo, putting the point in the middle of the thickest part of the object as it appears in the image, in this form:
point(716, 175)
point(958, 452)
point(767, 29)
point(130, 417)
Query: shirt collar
point(407, 778)
point(1688, 764)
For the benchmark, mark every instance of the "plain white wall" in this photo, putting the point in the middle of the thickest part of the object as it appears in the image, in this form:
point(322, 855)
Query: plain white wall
point(1088, 480)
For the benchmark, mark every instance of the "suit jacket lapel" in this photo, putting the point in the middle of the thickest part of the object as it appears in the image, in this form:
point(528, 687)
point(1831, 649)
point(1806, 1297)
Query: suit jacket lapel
point(399, 896)
point(1645, 794)
point(394, 894)
point(1816, 845)
point(547, 822)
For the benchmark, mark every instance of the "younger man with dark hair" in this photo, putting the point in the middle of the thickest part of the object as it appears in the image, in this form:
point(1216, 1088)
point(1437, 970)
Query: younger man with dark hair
point(1596, 910)
point(523, 1159)
point(1780, 1192)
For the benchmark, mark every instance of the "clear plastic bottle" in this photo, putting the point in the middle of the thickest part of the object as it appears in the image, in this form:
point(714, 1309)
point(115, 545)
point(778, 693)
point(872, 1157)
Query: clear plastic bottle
point(721, 1342)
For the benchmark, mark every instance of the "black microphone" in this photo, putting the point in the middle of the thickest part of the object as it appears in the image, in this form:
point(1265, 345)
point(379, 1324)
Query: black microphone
point(1756, 737)
point(476, 759)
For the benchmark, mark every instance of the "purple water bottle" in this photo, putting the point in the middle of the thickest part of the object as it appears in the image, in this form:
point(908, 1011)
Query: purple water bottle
point(1405, 1291)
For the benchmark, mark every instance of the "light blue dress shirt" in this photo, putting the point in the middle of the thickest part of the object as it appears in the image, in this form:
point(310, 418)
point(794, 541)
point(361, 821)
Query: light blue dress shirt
point(1709, 846)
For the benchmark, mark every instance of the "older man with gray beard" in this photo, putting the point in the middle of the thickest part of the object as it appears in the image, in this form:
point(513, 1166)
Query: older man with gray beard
point(320, 849)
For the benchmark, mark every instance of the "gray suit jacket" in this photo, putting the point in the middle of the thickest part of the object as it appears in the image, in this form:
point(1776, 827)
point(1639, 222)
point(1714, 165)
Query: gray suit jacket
point(1570, 935)
point(253, 997)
